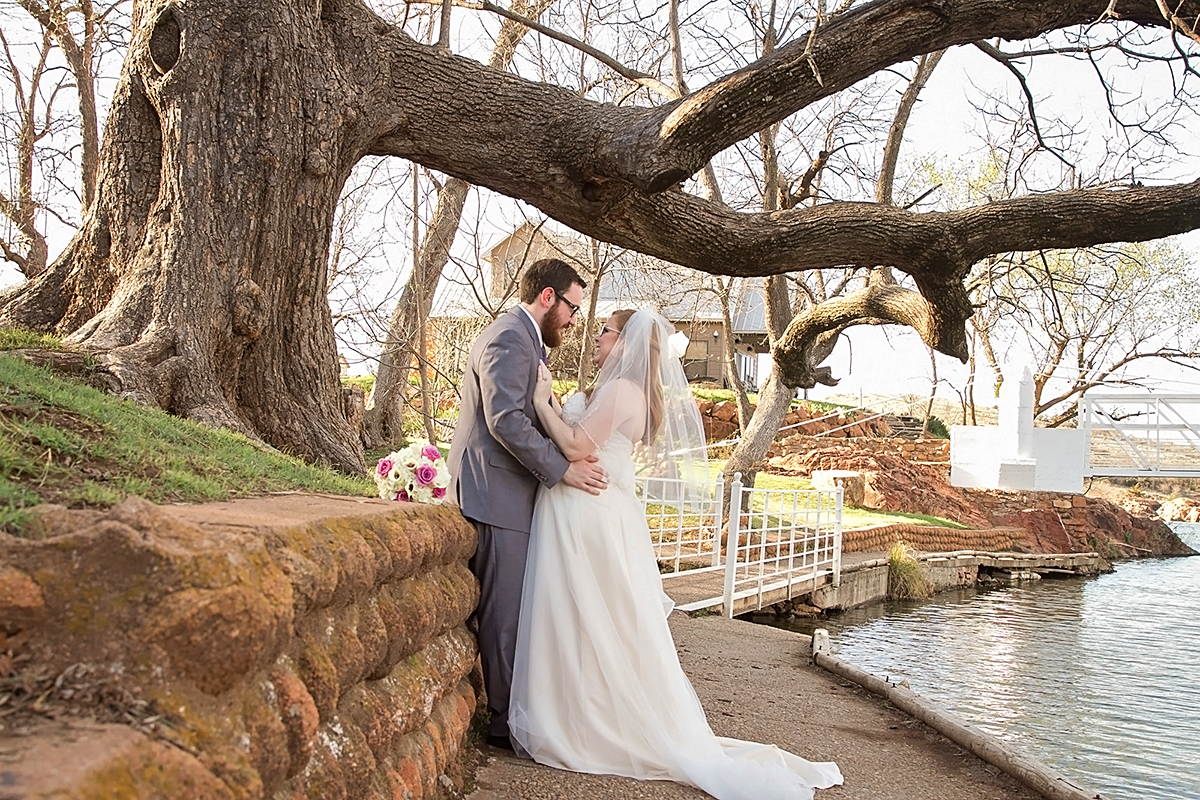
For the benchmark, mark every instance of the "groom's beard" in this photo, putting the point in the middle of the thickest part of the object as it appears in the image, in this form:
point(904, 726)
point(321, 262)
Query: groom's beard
point(551, 329)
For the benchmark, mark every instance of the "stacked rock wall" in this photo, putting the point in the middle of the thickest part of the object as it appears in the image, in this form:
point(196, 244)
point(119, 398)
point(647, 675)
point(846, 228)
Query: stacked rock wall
point(274, 648)
point(919, 451)
point(929, 539)
point(721, 422)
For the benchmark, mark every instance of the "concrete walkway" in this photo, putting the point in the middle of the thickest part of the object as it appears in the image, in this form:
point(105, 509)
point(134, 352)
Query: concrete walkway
point(758, 683)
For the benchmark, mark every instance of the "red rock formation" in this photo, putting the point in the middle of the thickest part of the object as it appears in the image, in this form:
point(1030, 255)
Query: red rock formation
point(1054, 522)
point(1180, 509)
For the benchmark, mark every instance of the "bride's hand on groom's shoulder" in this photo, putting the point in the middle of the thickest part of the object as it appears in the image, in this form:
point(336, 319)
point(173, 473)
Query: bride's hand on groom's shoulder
point(543, 389)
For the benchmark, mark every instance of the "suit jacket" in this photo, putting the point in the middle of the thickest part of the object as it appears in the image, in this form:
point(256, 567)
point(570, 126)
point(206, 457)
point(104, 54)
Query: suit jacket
point(500, 452)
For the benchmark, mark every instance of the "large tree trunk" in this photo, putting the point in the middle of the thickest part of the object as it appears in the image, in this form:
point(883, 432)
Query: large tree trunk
point(199, 273)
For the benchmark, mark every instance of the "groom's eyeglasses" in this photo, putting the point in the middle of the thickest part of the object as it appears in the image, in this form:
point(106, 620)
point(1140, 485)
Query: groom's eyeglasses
point(574, 308)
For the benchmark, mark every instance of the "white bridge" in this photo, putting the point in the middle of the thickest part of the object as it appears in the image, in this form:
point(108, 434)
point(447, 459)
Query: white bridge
point(1144, 435)
point(783, 544)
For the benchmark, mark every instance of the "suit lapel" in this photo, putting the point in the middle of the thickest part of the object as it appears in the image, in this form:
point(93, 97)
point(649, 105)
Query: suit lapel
point(528, 326)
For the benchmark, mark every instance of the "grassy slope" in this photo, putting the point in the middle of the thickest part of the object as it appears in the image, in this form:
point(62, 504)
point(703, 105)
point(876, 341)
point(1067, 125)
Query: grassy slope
point(62, 442)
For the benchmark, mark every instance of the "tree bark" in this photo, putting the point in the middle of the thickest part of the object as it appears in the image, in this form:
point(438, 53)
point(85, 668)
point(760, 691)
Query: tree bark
point(199, 272)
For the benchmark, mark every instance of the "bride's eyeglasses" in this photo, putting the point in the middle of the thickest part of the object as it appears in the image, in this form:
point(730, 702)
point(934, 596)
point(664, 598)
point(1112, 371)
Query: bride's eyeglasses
point(607, 329)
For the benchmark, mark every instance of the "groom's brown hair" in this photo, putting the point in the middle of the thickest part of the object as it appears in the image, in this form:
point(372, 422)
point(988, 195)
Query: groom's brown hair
point(548, 272)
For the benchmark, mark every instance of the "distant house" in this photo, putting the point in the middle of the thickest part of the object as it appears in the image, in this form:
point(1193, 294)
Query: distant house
point(628, 280)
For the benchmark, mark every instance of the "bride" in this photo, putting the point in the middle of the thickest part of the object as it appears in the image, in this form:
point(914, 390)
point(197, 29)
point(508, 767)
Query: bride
point(597, 685)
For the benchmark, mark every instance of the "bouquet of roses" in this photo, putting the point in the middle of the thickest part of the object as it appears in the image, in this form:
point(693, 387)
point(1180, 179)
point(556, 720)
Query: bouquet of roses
point(415, 474)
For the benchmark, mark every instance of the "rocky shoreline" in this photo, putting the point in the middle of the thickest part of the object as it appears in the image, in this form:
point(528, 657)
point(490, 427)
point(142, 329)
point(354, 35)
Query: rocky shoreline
point(1053, 522)
point(1178, 509)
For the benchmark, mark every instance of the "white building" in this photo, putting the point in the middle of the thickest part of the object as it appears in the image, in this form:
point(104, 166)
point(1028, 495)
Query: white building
point(1015, 455)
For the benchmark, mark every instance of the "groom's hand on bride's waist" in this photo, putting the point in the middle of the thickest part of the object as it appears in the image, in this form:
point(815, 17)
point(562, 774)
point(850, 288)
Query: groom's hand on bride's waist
point(587, 475)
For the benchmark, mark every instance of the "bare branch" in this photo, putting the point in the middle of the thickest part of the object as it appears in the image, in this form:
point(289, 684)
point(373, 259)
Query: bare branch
point(640, 78)
point(1030, 106)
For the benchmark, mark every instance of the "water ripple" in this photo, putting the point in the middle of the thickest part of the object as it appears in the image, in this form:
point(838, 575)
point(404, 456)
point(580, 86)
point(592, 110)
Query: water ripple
point(1097, 678)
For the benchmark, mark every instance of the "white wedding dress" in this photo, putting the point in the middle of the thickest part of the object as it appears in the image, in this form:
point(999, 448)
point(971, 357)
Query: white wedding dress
point(597, 685)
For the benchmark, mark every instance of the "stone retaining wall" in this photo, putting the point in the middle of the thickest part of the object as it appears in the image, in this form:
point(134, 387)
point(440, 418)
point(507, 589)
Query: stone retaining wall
point(929, 539)
point(720, 422)
point(274, 648)
point(926, 451)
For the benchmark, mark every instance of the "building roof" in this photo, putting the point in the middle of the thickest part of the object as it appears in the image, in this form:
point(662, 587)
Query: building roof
point(629, 279)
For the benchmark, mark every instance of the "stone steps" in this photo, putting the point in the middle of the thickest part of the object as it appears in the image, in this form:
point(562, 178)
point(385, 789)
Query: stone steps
point(904, 427)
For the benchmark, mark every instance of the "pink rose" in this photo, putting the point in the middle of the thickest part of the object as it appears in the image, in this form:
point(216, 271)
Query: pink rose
point(439, 492)
point(401, 496)
point(383, 467)
point(431, 452)
point(425, 475)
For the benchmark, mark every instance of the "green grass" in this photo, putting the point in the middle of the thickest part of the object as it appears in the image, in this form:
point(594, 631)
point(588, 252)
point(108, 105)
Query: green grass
point(17, 339)
point(66, 443)
point(364, 382)
point(852, 517)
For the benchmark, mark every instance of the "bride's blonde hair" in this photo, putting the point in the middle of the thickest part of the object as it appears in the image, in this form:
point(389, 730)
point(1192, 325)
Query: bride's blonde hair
point(654, 397)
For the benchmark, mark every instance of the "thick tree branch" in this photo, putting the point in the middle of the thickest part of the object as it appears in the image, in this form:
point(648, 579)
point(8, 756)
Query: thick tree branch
point(1177, 22)
point(673, 144)
point(795, 353)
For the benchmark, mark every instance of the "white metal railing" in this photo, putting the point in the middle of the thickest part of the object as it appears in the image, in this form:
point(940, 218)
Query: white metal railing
point(685, 541)
point(1149, 435)
point(781, 536)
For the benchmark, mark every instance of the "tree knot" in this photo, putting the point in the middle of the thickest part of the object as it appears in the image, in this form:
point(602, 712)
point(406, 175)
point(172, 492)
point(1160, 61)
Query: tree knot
point(249, 309)
point(316, 164)
point(166, 40)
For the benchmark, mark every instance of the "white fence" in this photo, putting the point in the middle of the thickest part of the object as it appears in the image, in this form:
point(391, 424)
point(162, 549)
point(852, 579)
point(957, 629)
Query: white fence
point(1148, 435)
point(781, 539)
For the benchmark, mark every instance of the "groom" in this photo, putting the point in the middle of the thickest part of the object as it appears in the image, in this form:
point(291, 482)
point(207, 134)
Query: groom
point(499, 456)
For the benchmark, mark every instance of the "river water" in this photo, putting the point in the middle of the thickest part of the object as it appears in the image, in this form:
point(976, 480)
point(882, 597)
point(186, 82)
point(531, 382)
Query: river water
point(1098, 678)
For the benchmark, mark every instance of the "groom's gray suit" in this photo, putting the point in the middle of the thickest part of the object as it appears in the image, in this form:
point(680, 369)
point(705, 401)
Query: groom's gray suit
point(499, 455)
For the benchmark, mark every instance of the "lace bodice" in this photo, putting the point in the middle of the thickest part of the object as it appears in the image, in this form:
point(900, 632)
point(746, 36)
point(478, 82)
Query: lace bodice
point(615, 453)
point(573, 408)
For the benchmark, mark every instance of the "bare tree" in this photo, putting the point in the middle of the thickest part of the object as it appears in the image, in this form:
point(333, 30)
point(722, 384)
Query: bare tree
point(26, 247)
point(383, 421)
point(1084, 317)
point(822, 312)
point(198, 276)
point(71, 45)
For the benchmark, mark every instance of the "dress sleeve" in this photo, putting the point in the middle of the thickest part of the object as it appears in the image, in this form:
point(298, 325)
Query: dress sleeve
point(616, 406)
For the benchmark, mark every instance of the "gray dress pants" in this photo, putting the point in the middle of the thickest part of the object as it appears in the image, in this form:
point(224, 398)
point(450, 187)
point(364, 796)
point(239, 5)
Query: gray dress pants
point(499, 564)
